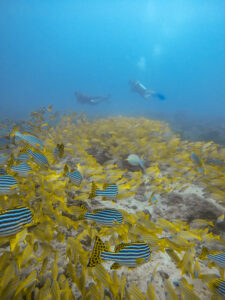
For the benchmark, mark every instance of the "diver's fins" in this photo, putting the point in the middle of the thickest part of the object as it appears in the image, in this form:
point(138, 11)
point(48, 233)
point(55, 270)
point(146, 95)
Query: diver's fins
point(159, 96)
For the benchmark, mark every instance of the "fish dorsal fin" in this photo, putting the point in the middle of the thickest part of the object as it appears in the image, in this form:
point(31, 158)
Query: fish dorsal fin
point(84, 208)
point(97, 210)
point(65, 169)
point(10, 161)
point(15, 129)
point(215, 283)
point(24, 149)
point(204, 253)
point(60, 148)
point(93, 190)
point(27, 133)
point(218, 252)
point(2, 211)
point(95, 258)
point(115, 266)
point(121, 246)
point(105, 185)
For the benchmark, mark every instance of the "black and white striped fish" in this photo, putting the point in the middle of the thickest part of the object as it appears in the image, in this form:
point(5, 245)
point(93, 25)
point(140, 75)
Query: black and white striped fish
point(106, 217)
point(24, 157)
point(39, 158)
point(8, 184)
point(13, 220)
point(218, 258)
point(217, 286)
point(30, 139)
point(75, 177)
point(2, 172)
point(125, 254)
point(22, 169)
point(109, 192)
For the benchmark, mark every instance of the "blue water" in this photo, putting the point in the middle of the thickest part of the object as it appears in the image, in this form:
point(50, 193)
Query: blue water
point(49, 49)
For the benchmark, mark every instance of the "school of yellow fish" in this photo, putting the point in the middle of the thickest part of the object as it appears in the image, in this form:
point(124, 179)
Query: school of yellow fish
point(48, 259)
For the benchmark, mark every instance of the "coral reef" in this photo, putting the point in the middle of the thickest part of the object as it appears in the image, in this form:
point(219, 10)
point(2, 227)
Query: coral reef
point(161, 205)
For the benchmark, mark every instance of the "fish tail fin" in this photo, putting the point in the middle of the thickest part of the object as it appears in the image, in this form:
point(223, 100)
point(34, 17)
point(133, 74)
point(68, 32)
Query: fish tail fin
point(10, 161)
point(159, 96)
point(81, 217)
point(95, 258)
point(115, 266)
point(61, 150)
point(142, 165)
point(14, 130)
point(93, 190)
point(214, 284)
point(24, 149)
point(65, 170)
point(84, 208)
point(83, 213)
point(204, 253)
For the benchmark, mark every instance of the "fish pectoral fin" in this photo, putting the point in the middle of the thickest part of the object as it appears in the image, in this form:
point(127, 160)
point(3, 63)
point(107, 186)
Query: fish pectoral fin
point(115, 266)
point(139, 261)
point(13, 187)
point(93, 191)
point(115, 222)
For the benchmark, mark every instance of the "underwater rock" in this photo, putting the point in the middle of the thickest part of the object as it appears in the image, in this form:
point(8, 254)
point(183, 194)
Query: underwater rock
point(215, 162)
point(101, 155)
point(164, 275)
point(87, 241)
point(186, 207)
point(95, 203)
point(134, 207)
point(197, 130)
point(71, 195)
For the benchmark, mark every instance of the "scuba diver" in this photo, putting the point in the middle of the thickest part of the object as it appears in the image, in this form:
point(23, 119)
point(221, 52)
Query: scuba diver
point(140, 89)
point(92, 100)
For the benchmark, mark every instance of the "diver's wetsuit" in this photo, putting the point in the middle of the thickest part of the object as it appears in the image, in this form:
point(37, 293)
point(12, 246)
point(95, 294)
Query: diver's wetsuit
point(85, 99)
point(140, 89)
